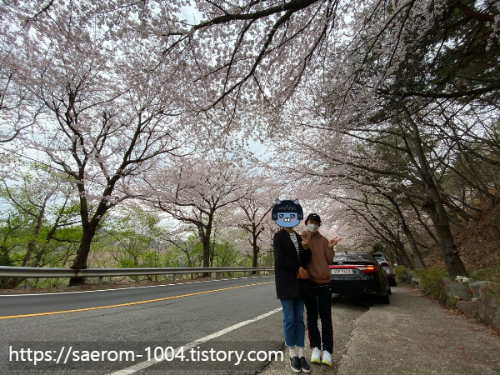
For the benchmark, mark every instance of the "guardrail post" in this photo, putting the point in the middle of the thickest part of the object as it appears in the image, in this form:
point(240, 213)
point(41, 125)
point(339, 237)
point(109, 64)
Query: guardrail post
point(99, 282)
point(173, 277)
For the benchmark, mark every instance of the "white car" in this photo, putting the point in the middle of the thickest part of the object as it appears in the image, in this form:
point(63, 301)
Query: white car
point(387, 268)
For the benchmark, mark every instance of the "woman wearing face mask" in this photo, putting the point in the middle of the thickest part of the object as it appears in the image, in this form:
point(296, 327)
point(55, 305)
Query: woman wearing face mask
point(320, 296)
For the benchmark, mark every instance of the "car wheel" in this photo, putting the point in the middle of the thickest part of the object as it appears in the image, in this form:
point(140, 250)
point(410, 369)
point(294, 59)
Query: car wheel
point(392, 281)
point(388, 287)
point(385, 299)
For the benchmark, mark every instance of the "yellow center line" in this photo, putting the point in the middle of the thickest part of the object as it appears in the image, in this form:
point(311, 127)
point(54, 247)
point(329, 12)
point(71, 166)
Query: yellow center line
point(132, 303)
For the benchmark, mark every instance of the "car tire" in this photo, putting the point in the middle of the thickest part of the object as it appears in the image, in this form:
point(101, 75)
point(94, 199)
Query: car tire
point(392, 281)
point(385, 297)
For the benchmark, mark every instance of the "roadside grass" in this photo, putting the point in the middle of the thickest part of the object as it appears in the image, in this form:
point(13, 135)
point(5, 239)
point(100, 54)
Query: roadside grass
point(401, 272)
point(431, 283)
point(485, 273)
point(430, 280)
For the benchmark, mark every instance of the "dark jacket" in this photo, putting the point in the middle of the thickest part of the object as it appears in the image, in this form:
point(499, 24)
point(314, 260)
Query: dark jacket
point(287, 264)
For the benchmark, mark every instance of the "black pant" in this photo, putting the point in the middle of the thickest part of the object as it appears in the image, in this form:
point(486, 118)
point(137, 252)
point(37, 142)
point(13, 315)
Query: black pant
point(320, 301)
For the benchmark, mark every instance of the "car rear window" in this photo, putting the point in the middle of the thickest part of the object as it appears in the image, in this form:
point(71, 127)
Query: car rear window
point(353, 257)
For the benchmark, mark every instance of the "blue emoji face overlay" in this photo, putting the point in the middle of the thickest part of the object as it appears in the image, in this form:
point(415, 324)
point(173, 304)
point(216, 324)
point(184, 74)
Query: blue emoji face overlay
point(287, 213)
point(288, 220)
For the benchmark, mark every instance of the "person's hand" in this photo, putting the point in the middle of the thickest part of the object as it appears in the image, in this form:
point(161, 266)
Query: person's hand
point(305, 242)
point(335, 240)
point(303, 273)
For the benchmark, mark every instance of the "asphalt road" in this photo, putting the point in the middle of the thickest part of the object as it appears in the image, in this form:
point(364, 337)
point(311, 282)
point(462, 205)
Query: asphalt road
point(178, 314)
point(173, 316)
point(22, 304)
point(410, 336)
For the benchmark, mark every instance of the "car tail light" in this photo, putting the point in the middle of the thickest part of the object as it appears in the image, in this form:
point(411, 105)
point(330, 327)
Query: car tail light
point(367, 269)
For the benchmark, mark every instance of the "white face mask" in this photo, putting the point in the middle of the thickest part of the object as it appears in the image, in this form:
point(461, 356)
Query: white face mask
point(312, 227)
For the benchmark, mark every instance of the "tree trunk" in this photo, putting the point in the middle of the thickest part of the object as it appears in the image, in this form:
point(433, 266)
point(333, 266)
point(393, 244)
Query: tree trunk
point(255, 253)
point(402, 255)
point(435, 208)
point(80, 261)
point(205, 232)
point(416, 258)
point(449, 251)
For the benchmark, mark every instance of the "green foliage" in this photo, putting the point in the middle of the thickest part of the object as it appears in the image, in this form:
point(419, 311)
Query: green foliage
point(451, 303)
point(492, 290)
point(430, 282)
point(39, 223)
point(267, 259)
point(402, 272)
point(195, 249)
point(225, 254)
point(5, 259)
point(485, 274)
point(133, 238)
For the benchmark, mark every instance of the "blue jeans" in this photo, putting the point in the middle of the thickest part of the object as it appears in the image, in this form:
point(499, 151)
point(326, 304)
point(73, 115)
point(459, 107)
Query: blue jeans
point(293, 321)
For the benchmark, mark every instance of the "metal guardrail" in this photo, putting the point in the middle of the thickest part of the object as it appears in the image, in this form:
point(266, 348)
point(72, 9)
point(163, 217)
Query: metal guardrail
point(35, 272)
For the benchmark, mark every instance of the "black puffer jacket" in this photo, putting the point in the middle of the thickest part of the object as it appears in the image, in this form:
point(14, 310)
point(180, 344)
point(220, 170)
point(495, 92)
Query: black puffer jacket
point(287, 263)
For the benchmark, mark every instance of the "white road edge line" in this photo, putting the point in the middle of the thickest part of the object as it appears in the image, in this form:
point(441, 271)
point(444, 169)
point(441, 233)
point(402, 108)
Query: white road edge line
point(146, 364)
point(133, 287)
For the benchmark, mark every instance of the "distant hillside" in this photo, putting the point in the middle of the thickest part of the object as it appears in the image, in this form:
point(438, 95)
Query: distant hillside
point(478, 241)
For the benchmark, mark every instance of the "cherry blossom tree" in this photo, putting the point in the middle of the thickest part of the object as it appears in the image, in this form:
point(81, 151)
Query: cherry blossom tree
point(255, 220)
point(111, 105)
point(194, 190)
point(14, 98)
point(360, 166)
point(12, 104)
point(393, 96)
point(252, 214)
point(397, 80)
point(382, 115)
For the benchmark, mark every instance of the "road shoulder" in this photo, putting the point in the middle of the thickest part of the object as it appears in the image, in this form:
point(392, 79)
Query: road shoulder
point(412, 335)
point(416, 336)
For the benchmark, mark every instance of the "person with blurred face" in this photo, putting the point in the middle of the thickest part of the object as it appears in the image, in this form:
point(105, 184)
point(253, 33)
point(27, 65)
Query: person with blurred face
point(319, 300)
point(291, 256)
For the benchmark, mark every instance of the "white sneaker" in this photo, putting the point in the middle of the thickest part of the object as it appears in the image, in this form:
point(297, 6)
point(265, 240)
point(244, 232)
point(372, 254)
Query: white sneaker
point(316, 356)
point(327, 358)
